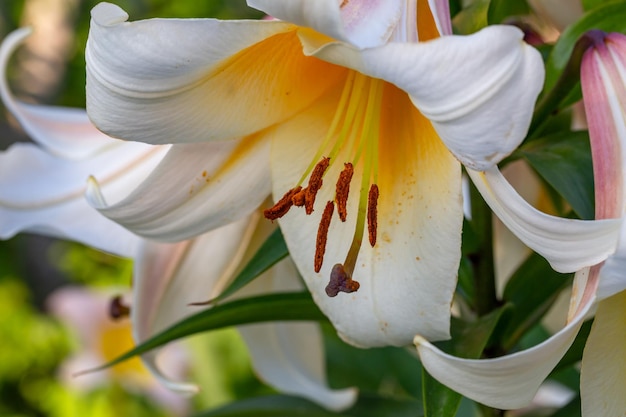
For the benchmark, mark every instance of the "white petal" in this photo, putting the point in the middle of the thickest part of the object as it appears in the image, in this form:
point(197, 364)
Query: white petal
point(613, 272)
point(441, 13)
point(568, 244)
point(603, 373)
point(407, 280)
point(195, 80)
point(63, 131)
point(196, 188)
point(506, 382)
point(477, 90)
point(168, 277)
point(363, 23)
point(43, 193)
point(290, 356)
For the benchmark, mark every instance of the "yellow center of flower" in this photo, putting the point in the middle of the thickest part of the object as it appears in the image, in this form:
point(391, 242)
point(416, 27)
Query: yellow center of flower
point(354, 131)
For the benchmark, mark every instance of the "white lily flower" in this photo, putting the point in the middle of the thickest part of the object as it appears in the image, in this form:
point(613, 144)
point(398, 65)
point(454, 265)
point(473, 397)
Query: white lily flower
point(375, 97)
point(511, 381)
point(42, 190)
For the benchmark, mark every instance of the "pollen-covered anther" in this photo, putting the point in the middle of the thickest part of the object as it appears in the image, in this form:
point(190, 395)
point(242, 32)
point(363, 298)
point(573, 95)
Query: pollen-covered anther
point(372, 214)
point(117, 309)
point(340, 281)
point(343, 189)
point(322, 235)
point(315, 183)
point(282, 206)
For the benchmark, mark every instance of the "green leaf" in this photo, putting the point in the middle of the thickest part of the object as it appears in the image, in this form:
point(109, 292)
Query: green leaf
point(563, 160)
point(472, 18)
point(269, 406)
point(531, 291)
point(499, 10)
point(608, 17)
point(377, 406)
point(271, 251)
point(274, 307)
point(468, 341)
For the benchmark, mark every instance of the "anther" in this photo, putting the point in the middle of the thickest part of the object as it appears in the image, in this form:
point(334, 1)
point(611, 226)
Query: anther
point(282, 206)
point(315, 183)
point(340, 281)
point(117, 308)
point(343, 189)
point(322, 235)
point(372, 214)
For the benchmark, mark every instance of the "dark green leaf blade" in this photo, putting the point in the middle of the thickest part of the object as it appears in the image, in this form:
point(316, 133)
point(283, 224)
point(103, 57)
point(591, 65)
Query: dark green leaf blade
point(563, 160)
point(269, 406)
point(271, 251)
point(273, 307)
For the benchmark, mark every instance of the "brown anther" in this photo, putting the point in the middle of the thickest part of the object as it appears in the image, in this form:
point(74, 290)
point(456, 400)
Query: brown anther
point(117, 309)
point(322, 235)
point(298, 198)
point(372, 214)
point(343, 189)
point(340, 281)
point(315, 183)
point(282, 206)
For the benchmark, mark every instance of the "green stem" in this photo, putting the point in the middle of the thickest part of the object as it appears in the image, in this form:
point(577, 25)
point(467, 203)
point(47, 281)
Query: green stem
point(482, 260)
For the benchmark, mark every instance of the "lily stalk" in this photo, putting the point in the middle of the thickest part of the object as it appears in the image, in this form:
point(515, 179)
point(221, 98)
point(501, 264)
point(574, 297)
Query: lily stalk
point(356, 116)
point(511, 381)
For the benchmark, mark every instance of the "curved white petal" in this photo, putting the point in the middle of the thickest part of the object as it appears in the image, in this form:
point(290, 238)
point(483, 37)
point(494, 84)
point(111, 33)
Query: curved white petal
point(506, 382)
point(603, 373)
point(477, 90)
point(441, 13)
point(195, 80)
point(66, 132)
point(613, 272)
point(196, 188)
point(363, 23)
point(168, 277)
point(568, 244)
point(408, 278)
point(290, 356)
point(43, 193)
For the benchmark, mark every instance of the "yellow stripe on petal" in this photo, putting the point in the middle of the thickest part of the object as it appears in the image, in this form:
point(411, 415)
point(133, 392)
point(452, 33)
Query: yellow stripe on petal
point(603, 374)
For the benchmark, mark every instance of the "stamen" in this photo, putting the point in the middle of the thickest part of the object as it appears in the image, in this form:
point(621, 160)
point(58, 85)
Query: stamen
point(340, 281)
point(322, 235)
point(315, 183)
point(282, 206)
point(343, 189)
point(299, 198)
point(117, 308)
point(372, 214)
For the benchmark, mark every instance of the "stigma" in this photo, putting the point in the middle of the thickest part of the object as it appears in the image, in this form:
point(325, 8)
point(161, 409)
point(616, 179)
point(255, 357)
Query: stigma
point(353, 140)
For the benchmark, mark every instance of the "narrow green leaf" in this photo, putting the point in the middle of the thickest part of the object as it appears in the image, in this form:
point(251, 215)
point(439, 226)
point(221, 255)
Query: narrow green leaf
point(468, 341)
point(499, 10)
point(530, 291)
point(563, 160)
point(269, 406)
point(377, 406)
point(271, 251)
point(274, 307)
point(472, 18)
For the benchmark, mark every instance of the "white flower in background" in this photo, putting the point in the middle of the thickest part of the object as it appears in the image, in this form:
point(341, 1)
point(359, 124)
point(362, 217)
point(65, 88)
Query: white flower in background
point(358, 108)
point(42, 190)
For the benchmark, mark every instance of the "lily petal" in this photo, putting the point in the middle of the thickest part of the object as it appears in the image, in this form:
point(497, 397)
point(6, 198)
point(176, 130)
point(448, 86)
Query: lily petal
point(456, 91)
point(43, 193)
point(603, 373)
point(568, 244)
point(65, 132)
point(168, 277)
point(408, 278)
point(362, 23)
point(506, 382)
point(612, 276)
point(195, 80)
point(196, 188)
point(290, 356)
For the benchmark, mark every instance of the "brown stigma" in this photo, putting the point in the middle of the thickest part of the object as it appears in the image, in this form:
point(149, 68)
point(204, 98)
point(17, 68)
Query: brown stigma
point(343, 189)
point(322, 235)
point(340, 281)
point(372, 214)
point(117, 309)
